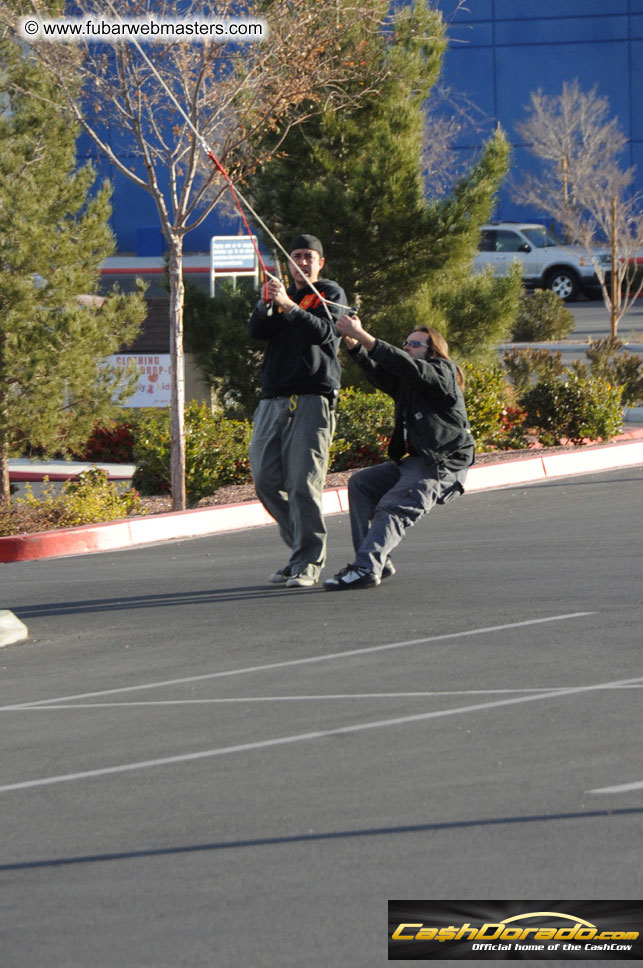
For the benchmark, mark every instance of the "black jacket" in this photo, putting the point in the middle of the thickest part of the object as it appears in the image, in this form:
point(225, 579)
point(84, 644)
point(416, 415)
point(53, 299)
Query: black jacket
point(301, 355)
point(429, 405)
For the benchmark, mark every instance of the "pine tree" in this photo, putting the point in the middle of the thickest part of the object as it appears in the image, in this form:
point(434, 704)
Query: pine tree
point(53, 239)
point(355, 179)
point(475, 313)
point(150, 108)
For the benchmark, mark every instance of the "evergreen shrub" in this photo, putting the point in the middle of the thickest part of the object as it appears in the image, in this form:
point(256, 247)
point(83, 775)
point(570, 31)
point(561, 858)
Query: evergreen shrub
point(216, 452)
point(485, 397)
point(608, 362)
point(542, 315)
point(364, 428)
point(526, 366)
point(228, 359)
point(496, 420)
point(88, 500)
point(575, 409)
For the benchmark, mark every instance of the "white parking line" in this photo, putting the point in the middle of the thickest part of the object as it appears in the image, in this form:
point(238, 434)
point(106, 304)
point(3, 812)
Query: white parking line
point(137, 703)
point(306, 737)
point(289, 663)
point(622, 788)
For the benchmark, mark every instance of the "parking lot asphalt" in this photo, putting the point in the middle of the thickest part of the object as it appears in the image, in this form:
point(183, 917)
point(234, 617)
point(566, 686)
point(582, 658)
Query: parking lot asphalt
point(200, 769)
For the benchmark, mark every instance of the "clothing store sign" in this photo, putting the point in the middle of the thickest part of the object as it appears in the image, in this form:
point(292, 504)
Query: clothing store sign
point(153, 383)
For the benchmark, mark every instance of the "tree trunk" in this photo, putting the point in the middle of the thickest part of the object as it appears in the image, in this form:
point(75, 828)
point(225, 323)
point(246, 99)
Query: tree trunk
point(616, 282)
point(177, 374)
point(5, 489)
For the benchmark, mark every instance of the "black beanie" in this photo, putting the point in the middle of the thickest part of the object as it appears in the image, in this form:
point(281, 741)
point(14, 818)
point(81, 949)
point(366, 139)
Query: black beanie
point(306, 242)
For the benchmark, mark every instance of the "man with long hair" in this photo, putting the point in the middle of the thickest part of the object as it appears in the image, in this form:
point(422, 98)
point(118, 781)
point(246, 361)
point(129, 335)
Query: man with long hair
point(430, 450)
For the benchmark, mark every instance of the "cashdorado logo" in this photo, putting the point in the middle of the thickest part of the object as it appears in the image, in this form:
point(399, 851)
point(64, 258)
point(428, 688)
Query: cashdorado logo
point(530, 934)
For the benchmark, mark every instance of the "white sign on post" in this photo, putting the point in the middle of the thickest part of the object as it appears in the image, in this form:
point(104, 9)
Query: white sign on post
point(236, 255)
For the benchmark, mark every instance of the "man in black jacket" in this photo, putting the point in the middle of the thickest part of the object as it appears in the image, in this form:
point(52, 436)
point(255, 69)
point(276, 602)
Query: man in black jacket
point(295, 420)
point(431, 447)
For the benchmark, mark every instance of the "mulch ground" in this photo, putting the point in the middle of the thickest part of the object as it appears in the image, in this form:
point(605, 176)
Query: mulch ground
point(240, 493)
point(22, 519)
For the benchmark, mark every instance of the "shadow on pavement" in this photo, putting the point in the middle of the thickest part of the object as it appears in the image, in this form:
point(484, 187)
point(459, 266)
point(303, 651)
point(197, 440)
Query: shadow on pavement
point(161, 600)
point(311, 838)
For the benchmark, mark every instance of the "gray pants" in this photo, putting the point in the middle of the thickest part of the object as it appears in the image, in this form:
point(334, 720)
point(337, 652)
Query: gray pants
point(388, 498)
point(289, 454)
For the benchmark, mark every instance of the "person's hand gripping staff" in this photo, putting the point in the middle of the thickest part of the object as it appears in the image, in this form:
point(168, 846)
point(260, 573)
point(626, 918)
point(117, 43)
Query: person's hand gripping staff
point(350, 327)
point(275, 294)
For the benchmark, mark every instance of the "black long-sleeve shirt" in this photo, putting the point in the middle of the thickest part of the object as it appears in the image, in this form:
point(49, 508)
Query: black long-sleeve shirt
point(301, 351)
point(430, 413)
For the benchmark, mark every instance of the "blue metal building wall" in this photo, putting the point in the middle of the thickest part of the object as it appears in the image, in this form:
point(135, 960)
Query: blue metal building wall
point(501, 51)
point(135, 220)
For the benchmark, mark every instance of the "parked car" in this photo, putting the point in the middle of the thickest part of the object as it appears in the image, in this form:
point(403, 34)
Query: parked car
point(547, 263)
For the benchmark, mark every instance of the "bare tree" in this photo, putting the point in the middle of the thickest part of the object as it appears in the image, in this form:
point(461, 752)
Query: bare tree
point(449, 117)
point(241, 99)
point(584, 187)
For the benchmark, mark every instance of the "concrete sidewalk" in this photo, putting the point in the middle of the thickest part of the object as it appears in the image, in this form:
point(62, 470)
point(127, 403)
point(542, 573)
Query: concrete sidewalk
point(526, 467)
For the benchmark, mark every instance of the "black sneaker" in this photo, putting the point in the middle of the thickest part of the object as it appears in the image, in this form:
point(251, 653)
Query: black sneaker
point(389, 569)
point(352, 576)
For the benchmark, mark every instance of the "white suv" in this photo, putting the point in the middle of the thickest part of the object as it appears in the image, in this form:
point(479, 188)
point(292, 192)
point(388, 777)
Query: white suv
point(547, 263)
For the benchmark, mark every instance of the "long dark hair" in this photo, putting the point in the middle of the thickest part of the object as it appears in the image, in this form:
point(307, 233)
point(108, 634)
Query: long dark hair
point(437, 346)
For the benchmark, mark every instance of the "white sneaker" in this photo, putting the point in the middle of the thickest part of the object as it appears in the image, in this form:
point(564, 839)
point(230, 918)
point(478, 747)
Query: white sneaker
point(352, 576)
point(300, 581)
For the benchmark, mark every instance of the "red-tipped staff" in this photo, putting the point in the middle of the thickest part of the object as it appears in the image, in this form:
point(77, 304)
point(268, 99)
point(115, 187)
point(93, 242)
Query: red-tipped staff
point(236, 194)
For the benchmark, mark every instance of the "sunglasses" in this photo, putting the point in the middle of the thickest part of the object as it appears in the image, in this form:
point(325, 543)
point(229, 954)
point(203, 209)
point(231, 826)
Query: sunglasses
point(413, 342)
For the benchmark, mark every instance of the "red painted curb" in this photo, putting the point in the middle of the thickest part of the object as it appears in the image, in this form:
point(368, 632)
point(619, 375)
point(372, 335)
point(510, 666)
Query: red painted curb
point(133, 532)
